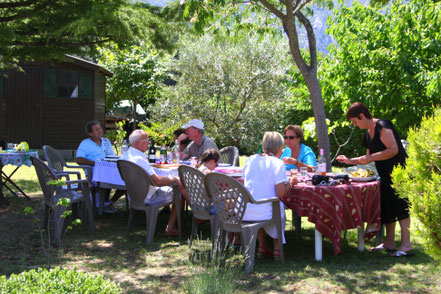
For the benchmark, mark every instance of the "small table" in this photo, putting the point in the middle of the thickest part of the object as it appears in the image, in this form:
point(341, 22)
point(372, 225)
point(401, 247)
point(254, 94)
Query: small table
point(336, 208)
point(18, 159)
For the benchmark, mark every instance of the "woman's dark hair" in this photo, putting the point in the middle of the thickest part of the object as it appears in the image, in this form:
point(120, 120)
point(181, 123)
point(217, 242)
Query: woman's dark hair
point(356, 109)
point(210, 154)
point(179, 132)
point(89, 126)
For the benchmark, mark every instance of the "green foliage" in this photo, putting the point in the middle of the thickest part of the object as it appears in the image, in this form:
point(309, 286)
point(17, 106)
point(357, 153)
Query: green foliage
point(137, 74)
point(117, 137)
point(57, 183)
point(44, 30)
point(161, 133)
point(234, 85)
point(388, 60)
point(43, 281)
point(420, 180)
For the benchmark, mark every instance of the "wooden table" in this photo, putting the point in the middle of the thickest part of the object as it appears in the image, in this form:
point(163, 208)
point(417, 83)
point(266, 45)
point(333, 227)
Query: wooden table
point(336, 208)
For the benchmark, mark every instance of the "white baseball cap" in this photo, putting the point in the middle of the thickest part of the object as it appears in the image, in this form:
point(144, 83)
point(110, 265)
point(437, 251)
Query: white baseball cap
point(195, 123)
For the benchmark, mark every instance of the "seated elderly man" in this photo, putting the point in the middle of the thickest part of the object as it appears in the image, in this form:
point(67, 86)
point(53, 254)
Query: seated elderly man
point(201, 143)
point(139, 141)
point(94, 148)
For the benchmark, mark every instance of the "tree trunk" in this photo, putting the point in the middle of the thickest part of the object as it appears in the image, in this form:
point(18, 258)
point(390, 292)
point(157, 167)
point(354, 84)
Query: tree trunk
point(309, 73)
point(318, 108)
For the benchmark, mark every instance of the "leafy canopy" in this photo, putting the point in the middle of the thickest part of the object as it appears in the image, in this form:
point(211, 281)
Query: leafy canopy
point(234, 85)
point(42, 30)
point(388, 60)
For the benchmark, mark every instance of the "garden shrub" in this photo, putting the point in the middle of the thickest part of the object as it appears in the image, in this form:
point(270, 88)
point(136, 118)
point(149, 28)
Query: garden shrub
point(57, 281)
point(420, 180)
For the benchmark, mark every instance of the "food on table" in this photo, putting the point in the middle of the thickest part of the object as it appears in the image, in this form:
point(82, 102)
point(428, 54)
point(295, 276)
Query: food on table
point(362, 173)
point(23, 146)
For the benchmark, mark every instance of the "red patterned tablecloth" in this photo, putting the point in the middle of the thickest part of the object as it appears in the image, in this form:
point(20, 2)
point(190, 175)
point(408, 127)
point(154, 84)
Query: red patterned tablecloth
point(336, 208)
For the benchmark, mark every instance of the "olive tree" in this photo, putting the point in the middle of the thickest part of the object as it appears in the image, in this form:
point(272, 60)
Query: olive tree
point(234, 85)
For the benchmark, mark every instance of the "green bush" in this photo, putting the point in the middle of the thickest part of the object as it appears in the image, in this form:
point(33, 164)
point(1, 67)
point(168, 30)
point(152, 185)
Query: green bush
point(57, 281)
point(420, 180)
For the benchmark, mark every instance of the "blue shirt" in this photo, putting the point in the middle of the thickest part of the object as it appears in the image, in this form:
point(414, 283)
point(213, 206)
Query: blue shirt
point(306, 156)
point(91, 151)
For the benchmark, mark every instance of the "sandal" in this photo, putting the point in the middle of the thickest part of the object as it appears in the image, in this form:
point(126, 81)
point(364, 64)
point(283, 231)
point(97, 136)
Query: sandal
point(381, 247)
point(277, 255)
point(264, 252)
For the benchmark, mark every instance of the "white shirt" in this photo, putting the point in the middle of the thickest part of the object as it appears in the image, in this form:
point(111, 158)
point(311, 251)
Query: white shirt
point(261, 175)
point(138, 157)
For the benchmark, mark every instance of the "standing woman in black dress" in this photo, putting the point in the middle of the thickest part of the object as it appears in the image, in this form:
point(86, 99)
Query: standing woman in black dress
point(385, 149)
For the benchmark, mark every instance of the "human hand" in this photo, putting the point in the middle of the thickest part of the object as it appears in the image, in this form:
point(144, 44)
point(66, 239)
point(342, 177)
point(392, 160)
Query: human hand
point(293, 181)
point(342, 158)
point(289, 160)
point(182, 137)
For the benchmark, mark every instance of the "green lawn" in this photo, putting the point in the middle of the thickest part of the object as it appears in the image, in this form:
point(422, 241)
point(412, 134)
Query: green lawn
point(168, 266)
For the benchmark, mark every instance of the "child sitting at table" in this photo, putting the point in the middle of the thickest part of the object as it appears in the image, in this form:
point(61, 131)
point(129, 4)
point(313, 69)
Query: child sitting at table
point(208, 161)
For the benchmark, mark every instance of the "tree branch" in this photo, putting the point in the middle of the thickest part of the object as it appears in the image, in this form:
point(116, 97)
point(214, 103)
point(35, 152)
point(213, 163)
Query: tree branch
point(273, 9)
point(311, 39)
point(28, 12)
point(18, 4)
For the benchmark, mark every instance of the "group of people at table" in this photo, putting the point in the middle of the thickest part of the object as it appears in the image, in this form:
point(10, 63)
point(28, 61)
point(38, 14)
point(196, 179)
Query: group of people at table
point(265, 175)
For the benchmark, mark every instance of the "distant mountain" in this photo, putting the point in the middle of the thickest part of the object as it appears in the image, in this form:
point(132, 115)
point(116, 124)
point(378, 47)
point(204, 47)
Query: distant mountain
point(318, 22)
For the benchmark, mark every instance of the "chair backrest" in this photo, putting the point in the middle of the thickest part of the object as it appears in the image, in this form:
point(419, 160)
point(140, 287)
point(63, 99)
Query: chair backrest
point(54, 159)
point(230, 197)
point(193, 180)
point(230, 154)
point(45, 174)
point(137, 182)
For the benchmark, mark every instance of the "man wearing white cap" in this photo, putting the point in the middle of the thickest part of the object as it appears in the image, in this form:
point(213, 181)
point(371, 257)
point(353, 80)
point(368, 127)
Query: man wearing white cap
point(195, 132)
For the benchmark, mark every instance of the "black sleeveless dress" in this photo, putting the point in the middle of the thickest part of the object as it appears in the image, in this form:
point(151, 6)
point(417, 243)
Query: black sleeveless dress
point(393, 208)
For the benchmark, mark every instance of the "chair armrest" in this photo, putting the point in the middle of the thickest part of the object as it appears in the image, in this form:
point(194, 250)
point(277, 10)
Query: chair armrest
point(85, 167)
point(266, 200)
point(76, 182)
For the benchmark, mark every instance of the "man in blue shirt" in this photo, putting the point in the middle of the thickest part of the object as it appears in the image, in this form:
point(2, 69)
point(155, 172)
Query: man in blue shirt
point(94, 148)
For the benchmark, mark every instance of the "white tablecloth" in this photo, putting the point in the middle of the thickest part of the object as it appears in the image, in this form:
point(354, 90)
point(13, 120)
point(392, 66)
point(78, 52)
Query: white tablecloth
point(107, 172)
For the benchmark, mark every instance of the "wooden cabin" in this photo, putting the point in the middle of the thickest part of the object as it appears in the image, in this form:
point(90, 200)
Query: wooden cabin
point(49, 104)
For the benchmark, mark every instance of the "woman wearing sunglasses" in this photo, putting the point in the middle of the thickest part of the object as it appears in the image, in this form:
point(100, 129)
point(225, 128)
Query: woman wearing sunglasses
point(296, 154)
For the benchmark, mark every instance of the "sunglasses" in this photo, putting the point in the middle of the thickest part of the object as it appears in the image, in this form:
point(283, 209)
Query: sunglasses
point(290, 137)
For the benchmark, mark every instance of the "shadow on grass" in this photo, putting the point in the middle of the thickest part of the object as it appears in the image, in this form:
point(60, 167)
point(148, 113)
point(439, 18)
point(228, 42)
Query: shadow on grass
point(164, 266)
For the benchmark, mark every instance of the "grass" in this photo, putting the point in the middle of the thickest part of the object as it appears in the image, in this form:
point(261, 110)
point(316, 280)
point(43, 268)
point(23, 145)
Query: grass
point(168, 266)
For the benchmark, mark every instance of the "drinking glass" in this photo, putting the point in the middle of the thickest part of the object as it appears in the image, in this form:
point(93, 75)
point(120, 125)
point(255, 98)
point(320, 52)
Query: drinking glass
point(304, 171)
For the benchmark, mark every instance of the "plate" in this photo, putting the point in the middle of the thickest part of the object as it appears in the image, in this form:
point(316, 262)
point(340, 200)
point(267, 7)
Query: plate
point(223, 164)
point(365, 179)
point(235, 175)
point(112, 159)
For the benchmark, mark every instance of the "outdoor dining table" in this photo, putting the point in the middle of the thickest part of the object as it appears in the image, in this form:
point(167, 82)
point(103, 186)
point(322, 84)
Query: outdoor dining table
point(17, 159)
point(106, 176)
point(336, 208)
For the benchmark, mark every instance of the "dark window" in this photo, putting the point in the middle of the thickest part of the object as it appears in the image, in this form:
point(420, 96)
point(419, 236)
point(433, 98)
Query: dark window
point(68, 84)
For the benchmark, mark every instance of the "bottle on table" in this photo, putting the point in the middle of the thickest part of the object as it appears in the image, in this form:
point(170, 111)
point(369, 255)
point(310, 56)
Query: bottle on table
point(321, 164)
point(124, 147)
point(163, 155)
point(152, 151)
point(175, 151)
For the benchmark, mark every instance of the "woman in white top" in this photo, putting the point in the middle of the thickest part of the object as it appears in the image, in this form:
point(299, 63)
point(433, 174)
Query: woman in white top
point(265, 177)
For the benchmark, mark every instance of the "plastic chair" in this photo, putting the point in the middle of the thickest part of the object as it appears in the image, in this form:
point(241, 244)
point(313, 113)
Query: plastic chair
point(231, 199)
point(230, 154)
point(56, 161)
point(138, 182)
point(52, 194)
point(193, 180)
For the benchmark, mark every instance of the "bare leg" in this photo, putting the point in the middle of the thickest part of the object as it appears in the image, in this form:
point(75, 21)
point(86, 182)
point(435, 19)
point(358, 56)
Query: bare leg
point(117, 195)
point(405, 235)
point(389, 243)
point(171, 221)
point(261, 239)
